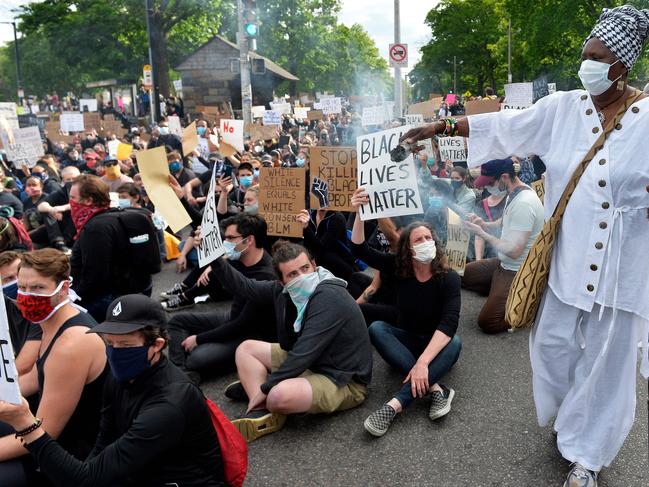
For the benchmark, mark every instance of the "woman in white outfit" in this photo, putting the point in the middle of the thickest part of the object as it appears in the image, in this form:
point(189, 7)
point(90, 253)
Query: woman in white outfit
point(583, 347)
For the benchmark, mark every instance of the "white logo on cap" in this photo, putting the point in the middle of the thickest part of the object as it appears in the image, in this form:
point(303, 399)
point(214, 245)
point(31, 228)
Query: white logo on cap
point(117, 309)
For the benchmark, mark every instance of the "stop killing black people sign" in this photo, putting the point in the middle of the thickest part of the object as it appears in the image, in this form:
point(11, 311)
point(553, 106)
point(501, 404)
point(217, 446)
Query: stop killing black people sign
point(392, 186)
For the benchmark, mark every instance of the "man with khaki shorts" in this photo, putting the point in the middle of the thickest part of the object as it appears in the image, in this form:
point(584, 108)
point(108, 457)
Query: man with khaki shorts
point(323, 361)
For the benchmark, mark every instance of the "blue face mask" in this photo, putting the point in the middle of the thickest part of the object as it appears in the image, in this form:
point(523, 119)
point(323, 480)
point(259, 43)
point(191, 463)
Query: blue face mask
point(245, 181)
point(175, 166)
point(230, 250)
point(10, 289)
point(163, 130)
point(201, 130)
point(456, 184)
point(435, 202)
point(299, 162)
point(42, 175)
point(255, 173)
point(430, 162)
point(127, 363)
point(124, 203)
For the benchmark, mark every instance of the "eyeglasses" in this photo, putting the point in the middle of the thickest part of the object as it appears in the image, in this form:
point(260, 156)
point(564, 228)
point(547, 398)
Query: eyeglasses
point(230, 238)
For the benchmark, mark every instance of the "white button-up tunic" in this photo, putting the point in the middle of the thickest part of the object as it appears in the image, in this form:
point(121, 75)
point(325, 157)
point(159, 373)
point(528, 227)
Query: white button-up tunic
point(600, 253)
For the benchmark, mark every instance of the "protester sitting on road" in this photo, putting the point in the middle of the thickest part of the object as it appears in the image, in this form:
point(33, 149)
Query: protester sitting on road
point(155, 425)
point(13, 235)
point(32, 218)
point(113, 176)
point(464, 196)
point(521, 222)
point(25, 335)
point(490, 209)
point(422, 345)
point(250, 199)
point(323, 361)
point(206, 342)
point(59, 228)
point(70, 370)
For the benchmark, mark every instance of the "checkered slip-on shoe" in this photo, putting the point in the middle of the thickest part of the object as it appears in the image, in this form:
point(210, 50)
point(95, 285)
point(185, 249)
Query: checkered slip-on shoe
point(440, 403)
point(580, 476)
point(379, 421)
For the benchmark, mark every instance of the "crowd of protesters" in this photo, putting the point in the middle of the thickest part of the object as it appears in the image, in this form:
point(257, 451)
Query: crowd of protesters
point(80, 242)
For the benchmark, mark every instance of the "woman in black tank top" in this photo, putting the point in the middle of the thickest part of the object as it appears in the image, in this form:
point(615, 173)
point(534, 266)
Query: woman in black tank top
point(69, 372)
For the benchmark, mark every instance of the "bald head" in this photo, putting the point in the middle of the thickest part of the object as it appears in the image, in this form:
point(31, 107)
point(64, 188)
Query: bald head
point(69, 174)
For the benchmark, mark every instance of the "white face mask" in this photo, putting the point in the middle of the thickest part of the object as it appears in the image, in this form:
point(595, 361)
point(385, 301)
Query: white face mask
point(594, 76)
point(425, 252)
point(495, 190)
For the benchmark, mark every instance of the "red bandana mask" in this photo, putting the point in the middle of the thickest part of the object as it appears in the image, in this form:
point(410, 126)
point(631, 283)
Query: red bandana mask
point(82, 213)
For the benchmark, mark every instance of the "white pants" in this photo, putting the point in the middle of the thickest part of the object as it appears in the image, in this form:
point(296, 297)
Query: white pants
point(590, 391)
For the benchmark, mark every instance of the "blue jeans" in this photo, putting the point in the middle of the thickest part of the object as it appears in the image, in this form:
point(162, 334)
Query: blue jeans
point(401, 349)
point(192, 255)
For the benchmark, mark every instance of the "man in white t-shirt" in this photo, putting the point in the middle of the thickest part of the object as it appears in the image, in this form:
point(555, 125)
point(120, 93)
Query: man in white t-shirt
point(521, 222)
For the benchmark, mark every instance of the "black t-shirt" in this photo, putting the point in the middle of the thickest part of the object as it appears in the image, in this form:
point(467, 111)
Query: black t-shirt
point(8, 199)
point(34, 217)
point(59, 198)
point(20, 329)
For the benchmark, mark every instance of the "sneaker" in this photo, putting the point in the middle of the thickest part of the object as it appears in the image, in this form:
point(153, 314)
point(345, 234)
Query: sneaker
point(236, 392)
point(580, 476)
point(379, 421)
point(177, 289)
point(176, 302)
point(440, 402)
point(259, 423)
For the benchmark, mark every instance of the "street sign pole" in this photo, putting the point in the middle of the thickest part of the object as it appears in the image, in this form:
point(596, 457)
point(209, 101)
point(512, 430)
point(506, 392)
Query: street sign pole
point(397, 70)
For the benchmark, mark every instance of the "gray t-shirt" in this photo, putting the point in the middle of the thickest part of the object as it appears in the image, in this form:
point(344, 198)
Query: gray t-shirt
point(523, 214)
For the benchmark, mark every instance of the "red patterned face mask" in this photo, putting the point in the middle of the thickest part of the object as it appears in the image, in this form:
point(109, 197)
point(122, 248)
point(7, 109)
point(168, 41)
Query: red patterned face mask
point(38, 307)
point(81, 213)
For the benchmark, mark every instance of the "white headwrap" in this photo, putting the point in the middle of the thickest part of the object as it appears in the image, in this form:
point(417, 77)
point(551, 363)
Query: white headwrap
point(623, 30)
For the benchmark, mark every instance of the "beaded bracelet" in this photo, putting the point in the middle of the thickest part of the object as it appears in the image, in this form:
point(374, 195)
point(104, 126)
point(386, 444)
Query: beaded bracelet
point(451, 127)
point(30, 429)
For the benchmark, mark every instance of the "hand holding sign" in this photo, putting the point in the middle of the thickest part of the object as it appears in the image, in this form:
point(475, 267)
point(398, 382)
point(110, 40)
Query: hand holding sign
point(360, 198)
point(320, 189)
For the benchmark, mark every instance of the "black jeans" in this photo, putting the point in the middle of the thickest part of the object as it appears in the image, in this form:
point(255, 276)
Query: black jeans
point(207, 357)
point(21, 471)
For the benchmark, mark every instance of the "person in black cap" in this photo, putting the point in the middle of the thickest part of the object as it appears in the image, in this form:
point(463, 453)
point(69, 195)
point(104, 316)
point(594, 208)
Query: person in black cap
point(521, 222)
point(155, 426)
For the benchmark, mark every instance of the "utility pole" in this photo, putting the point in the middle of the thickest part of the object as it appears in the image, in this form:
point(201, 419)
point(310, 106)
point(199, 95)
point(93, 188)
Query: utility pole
point(398, 105)
point(509, 52)
point(19, 90)
point(154, 101)
point(455, 75)
point(244, 67)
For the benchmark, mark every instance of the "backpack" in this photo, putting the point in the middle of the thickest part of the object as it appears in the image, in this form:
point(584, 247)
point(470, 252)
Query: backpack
point(141, 246)
point(234, 450)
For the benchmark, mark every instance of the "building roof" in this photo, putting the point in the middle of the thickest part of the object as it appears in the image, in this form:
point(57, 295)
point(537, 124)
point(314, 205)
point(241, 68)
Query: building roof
point(188, 63)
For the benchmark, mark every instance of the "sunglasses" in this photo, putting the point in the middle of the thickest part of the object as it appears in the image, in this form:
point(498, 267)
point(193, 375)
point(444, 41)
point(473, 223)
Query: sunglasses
point(110, 163)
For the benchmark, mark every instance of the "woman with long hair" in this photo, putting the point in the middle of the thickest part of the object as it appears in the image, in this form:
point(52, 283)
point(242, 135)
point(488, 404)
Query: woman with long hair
point(422, 344)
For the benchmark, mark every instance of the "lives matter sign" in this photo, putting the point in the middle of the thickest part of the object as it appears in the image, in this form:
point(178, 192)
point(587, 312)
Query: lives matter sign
point(211, 247)
point(336, 166)
point(392, 186)
point(281, 197)
point(9, 390)
point(452, 149)
point(457, 243)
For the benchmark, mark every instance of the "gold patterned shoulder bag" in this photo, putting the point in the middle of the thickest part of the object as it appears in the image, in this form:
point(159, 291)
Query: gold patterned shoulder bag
point(531, 279)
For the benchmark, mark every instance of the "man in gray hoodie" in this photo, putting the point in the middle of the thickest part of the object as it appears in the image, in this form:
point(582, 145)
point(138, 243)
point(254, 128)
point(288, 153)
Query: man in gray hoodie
point(323, 361)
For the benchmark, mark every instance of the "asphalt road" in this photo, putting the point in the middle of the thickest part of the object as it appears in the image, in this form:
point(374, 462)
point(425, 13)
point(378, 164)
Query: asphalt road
point(490, 438)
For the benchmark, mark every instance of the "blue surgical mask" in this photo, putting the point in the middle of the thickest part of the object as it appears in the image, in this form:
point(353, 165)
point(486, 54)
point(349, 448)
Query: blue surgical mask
point(456, 184)
point(245, 181)
point(127, 363)
point(124, 203)
point(175, 166)
point(255, 173)
point(299, 162)
point(10, 289)
point(201, 130)
point(163, 130)
point(230, 250)
point(251, 209)
point(430, 162)
point(594, 76)
point(435, 202)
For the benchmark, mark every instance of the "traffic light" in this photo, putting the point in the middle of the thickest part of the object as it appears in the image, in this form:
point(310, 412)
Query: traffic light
point(250, 25)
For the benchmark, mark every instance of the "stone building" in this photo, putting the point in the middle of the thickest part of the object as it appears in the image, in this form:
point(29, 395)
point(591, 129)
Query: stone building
point(209, 81)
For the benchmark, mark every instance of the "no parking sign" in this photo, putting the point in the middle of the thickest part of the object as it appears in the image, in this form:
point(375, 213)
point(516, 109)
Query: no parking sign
point(398, 55)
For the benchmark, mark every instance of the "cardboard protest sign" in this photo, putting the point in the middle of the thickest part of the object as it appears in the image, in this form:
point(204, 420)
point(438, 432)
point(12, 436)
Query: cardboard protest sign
point(281, 198)
point(72, 122)
point(329, 106)
point(272, 117)
point(9, 389)
point(258, 111)
point(476, 107)
point(373, 115)
point(540, 88)
point(426, 108)
point(211, 247)
point(539, 187)
point(232, 133)
point(9, 113)
point(315, 115)
point(518, 96)
point(155, 178)
point(452, 149)
point(124, 151)
point(457, 243)
point(90, 103)
point(26, 148)
point(174, 125)
point(215, 113)
point(413, 119)
point(337, 167)
point(261, 132)
point(91, 121)
point(190, 139)
point(301, 113)
point(282, 108)
point(392, 186)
